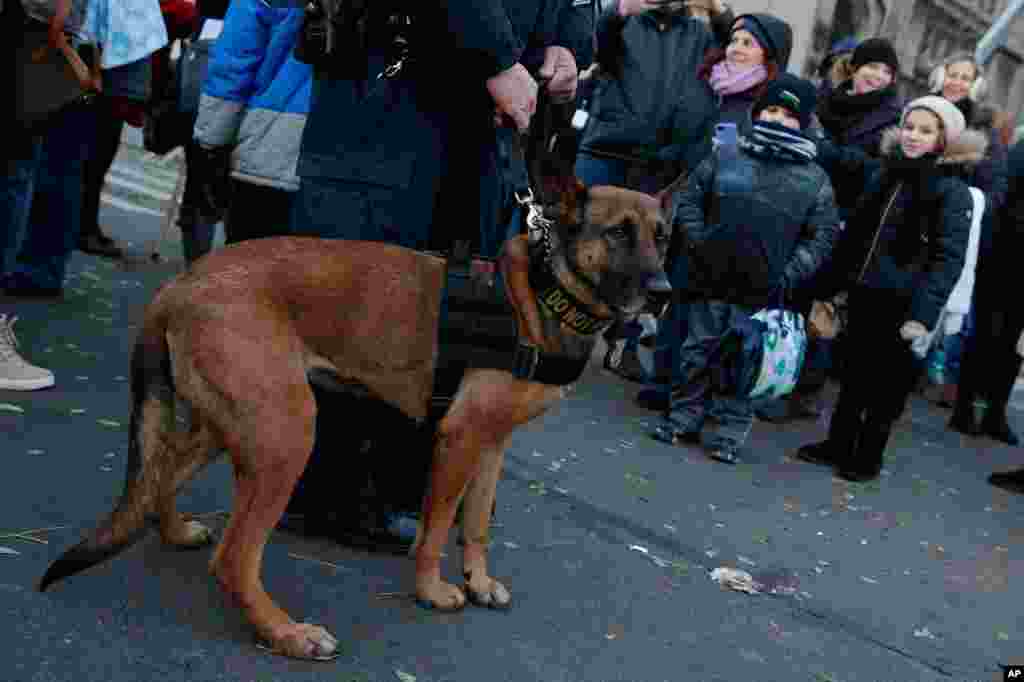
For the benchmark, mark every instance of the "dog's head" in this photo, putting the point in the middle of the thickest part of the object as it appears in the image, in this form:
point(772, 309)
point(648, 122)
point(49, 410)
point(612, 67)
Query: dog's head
point(613, 240)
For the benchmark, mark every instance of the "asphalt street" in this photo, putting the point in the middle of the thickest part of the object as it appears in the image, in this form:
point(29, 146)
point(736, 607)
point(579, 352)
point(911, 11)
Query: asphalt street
point(605, 537)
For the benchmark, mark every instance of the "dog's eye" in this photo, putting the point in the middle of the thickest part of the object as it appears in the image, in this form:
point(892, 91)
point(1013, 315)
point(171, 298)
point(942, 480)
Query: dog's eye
point(620, 232)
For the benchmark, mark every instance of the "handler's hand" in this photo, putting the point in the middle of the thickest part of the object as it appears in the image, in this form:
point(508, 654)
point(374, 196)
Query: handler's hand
point(912, 330)
point(515, 96)
point(560, 72)
point(632, 8)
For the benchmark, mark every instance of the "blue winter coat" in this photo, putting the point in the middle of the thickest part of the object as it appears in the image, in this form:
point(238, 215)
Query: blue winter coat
point(256, 94)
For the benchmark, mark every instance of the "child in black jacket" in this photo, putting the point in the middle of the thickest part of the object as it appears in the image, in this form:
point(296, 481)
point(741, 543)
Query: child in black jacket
point(899, 258)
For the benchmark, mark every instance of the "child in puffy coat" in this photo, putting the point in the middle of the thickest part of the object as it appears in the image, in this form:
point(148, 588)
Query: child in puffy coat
point(759, 221)
point(254, 104)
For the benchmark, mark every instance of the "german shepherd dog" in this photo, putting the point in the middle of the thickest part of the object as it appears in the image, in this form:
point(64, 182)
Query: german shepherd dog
point(237, 338)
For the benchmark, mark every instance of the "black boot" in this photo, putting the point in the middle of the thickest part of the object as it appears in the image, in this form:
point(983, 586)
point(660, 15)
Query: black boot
point(963, 419)
point(1009, 480)
point(866, 463)
point(843, 433)
point(996, 426)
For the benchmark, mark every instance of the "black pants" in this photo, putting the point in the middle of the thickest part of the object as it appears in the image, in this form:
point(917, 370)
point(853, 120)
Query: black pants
point(108, 139)
point(991, 365)
point(257, 211)
point(878, 375)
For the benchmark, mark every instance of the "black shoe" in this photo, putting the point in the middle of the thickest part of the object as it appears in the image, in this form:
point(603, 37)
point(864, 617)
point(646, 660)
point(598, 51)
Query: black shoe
point(98, 244)
point(1009, 480)
point(866, 462)
point(859, 475)
point(998, 428)
point(964, 422)
point(728, 456)
point(822, 453)
point(656, 400)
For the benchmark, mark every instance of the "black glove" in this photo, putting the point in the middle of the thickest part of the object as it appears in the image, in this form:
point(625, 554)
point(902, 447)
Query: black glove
point(213, 170)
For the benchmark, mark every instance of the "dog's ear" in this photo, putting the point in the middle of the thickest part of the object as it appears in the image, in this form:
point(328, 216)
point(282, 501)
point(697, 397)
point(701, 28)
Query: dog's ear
point(566, 197)
point(666, 197)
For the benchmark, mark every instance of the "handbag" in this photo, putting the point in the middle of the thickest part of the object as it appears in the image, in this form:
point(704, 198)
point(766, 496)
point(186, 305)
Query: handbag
point(46, 80)
point(784, 345)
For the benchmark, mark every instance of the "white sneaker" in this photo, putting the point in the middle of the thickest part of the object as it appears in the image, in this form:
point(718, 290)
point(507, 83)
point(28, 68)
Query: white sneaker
point(16, 374)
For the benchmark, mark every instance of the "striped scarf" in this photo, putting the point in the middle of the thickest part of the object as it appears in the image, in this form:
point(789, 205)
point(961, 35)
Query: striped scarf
point(777, 142)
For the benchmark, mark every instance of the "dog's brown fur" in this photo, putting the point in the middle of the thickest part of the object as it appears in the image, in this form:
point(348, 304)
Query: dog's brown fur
point(235, 337)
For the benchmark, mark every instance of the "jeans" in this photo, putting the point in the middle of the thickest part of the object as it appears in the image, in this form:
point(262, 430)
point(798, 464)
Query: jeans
point(16, 201)
point(55, 216)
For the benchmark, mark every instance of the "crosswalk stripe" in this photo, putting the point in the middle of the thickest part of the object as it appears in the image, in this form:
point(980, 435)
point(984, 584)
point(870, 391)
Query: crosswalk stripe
point(113, 179)
point(166, 183)
point(128, 206)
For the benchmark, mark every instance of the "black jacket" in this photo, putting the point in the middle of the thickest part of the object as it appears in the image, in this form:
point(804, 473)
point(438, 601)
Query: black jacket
point(775, 227)
point(908, 233)
point(648, 102)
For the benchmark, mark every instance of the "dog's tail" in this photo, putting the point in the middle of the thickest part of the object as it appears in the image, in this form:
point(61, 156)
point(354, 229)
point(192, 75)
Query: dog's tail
point(152, 417)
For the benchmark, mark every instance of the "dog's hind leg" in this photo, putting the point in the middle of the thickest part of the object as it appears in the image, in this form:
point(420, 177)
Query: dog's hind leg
point(268, 461)
point(191, 452)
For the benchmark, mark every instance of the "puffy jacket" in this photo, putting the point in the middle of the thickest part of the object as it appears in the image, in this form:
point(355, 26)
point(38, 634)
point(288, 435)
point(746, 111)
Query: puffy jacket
point(919, 223)
point(776, 226)
point(648, 102)
point(256, 94)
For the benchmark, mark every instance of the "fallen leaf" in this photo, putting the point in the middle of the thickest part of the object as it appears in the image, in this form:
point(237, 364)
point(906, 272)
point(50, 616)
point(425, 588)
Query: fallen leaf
point(404, 676)
point(871, 581)
point(669, 527)
point(680, 568)
point(761, 538)
point(1002, 636)
point(614, 632)
point(924, 633)
point(511, 545)
point(8, 407)
point(9, 552)
point(35, 451)
point(109, 423)
point(77, 410)
point(824, 677)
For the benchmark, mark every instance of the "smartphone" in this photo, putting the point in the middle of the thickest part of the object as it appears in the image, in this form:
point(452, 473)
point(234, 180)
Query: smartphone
point(726, 134)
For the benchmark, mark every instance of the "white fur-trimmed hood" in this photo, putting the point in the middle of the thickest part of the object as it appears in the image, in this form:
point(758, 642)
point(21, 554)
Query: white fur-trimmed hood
point(969, 148)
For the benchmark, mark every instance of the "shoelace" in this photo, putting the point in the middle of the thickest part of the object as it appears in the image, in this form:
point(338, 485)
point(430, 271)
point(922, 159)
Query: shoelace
point(8, 341)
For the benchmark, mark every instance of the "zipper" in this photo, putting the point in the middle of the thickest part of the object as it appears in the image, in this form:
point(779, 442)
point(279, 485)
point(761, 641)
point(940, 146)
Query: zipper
point(878, 233)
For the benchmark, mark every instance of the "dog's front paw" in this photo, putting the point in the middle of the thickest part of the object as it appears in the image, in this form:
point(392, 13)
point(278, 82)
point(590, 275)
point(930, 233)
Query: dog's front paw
point(303, 640)
point(483, 590)
point(437, 594)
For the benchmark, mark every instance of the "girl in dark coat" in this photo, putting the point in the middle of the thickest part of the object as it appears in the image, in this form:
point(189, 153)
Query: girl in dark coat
point(899, 258)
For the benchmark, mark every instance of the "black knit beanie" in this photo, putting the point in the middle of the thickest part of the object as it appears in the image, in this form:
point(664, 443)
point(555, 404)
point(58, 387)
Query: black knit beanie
point(876, 50)
point(789, 92)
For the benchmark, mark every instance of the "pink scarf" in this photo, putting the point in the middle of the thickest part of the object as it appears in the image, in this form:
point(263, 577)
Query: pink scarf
point(728, 80)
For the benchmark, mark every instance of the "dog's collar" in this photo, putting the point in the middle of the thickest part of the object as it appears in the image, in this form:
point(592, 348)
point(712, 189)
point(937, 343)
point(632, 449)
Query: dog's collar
point(559, 302)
